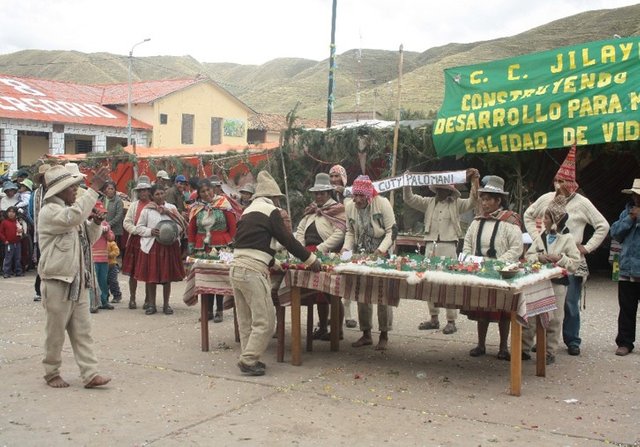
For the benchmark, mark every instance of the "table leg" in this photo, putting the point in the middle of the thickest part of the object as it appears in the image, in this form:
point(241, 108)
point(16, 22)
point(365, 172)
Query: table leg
point(335, 322)
point(204, 322)
point(516, 356)
point(309, 327)
point(541, 348)
point(296, 339)
point(280, 315)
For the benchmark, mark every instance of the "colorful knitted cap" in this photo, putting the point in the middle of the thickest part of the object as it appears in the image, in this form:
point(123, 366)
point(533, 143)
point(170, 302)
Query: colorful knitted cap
point(362, 185)
point(342, 172)
point(567, 171)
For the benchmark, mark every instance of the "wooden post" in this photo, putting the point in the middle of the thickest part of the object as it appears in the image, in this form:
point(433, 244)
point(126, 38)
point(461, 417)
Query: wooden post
point(296, 342)
point(336, 324)
point(396, 129)
point(204, 322)
point(541, 348)
point(516, 355)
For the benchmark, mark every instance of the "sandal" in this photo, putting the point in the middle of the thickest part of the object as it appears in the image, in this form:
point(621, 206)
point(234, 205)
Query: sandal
point(167, 310)
point(217, 317)
point(504, 355)
point(318, 333)
point(327, 336)
point(425, 325)
point(132, 304)
point(150, 310)
point(477, 351)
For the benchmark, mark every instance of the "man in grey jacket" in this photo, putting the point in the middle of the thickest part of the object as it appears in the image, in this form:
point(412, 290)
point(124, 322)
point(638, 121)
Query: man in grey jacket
point(65, 269)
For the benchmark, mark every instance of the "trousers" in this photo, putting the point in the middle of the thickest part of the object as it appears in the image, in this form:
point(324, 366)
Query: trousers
point(63, 314)
point(365, 317)
point(256, 314)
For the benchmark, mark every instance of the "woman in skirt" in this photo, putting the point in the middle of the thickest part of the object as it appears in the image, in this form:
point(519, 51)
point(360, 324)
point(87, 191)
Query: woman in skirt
point(132, 251)
point(159, 262)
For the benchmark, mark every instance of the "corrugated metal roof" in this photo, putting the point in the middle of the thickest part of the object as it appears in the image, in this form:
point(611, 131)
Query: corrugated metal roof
point(60, 102)
point(274, 122)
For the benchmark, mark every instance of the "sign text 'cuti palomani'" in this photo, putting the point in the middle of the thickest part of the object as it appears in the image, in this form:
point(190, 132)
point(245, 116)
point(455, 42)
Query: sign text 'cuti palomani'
point(583, 94)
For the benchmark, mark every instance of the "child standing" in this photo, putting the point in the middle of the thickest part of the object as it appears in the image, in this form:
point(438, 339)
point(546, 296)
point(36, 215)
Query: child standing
point(554, 245)
point(101, 259)
point(114, 286)
point(10, 236)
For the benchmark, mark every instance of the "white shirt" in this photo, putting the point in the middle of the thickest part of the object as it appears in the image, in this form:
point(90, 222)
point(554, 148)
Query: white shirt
point(149, 219)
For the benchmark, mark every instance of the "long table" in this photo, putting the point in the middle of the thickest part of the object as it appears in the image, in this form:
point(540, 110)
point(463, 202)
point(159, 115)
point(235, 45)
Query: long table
point(524, 299)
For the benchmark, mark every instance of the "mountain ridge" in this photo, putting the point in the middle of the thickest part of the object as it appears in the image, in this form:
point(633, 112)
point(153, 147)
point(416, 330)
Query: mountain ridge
point(366, 80)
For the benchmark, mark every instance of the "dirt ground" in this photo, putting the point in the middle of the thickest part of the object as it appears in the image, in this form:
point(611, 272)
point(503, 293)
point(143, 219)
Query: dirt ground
point(425, 390)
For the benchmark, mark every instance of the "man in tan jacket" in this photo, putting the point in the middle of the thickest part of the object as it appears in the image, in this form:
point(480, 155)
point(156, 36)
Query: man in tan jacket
point(442, 231)
point(65, 268)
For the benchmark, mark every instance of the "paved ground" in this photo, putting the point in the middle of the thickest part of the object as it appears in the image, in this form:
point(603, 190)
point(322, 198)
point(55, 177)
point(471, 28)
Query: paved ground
point(425, 390)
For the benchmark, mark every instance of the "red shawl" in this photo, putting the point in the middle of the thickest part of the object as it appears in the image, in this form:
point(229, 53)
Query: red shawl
point(334, 214)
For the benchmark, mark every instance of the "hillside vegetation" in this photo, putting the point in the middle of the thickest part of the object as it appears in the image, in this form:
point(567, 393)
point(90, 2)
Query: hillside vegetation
point(278, 85)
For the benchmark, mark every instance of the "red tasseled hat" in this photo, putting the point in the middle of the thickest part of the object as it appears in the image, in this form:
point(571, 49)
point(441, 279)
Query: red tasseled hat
point(567, 171)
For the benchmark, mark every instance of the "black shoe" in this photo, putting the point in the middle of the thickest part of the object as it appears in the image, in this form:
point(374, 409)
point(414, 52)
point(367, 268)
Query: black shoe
point(106, 306)
point(256, 370)
point(217, 317)
point(37, 298)
point(116, 300)
point(550, 359)
point(526, 356)
point(574, 350)
point(534, 348)
point(93, 310)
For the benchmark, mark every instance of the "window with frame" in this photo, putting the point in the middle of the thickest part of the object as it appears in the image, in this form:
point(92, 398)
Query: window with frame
point(216, 130)
point(187, 128)
point(163, 118)
point(84, 146)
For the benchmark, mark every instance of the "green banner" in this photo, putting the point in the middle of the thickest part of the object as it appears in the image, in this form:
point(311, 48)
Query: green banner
point(582, 94)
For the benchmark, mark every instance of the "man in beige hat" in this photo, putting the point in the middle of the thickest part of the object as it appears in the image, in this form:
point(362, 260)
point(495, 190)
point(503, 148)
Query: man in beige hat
point(65, 266)
point(163, 179)
point(442, 231)
point(626, 230)
point(260, 228)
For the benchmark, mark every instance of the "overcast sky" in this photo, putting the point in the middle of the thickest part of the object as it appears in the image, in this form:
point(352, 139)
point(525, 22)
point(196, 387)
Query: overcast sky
point(256, 31)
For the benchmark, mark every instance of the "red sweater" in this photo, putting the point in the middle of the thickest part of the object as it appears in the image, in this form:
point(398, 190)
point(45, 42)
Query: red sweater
point(9, 231)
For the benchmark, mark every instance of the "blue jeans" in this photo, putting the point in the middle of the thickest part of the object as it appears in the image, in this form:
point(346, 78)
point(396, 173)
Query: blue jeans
point(12, 259)
point(102, 273)
point(571, 322)
point(114, 286)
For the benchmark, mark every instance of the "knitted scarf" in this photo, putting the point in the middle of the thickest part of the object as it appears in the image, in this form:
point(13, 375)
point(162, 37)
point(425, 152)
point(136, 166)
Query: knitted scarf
point(334, 213)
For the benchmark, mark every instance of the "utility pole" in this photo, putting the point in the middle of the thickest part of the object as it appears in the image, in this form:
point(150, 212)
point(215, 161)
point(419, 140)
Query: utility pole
point(332, 64)
point(396, 129)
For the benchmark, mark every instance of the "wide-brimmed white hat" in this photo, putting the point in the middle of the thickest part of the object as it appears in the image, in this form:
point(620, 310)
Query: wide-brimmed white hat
point(74, 169)
point(323, 183)
point(58, 179)
point(494, 185)
point(163, 175)
point(143, 183)
point(634, 189)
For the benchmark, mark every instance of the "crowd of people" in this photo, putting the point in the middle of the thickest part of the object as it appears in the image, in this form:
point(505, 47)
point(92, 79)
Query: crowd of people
point(147, 238)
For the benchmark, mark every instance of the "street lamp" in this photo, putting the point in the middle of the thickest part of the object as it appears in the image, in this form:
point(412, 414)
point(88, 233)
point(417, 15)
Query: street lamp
point(129, 96)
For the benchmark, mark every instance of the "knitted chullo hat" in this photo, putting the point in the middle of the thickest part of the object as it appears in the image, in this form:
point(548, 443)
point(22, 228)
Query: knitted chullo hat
point(266, 186)
point(362, 185)
point(567, 171)
point(558, 212)
point(342, 172)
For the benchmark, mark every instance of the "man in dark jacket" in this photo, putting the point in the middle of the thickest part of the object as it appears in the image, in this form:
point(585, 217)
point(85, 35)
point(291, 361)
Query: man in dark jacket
point(259, 231)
